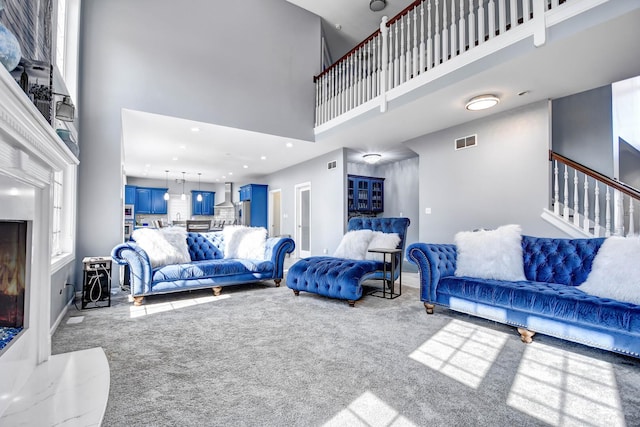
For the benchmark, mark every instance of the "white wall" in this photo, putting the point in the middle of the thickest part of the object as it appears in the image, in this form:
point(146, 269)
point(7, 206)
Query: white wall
point(328, 199)
point(503, 180)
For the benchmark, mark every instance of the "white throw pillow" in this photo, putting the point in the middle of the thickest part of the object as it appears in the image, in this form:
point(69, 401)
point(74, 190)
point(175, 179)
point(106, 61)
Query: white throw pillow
point(177, 237)
point(160, 250)
point(382, 240)
point(493, 254)
point(615, 272)
point(244, 242)
point(354, 244)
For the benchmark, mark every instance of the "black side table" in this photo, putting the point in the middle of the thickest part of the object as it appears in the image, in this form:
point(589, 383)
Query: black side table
point(96, 289)
point(388, 282)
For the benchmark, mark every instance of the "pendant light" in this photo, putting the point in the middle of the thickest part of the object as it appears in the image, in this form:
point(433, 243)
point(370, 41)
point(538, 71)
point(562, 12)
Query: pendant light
point(183, 196)
point(166, 194)
point(199, 197)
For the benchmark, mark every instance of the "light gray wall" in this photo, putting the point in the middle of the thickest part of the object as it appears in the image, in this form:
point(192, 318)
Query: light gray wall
point(243, 64)
point(503, 180)
point(61, 294)
point(176, 188)
point(328, 199)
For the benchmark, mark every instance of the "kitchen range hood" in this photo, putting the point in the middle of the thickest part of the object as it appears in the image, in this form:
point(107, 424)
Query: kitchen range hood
point(227, 196)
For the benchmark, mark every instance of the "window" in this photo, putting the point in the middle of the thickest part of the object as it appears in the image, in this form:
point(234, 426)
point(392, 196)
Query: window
point(66, 50)
point(61, 34)
point(56, 228)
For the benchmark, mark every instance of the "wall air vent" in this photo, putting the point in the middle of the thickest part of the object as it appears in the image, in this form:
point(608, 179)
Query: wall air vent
point(466, 142)
point(332, 164)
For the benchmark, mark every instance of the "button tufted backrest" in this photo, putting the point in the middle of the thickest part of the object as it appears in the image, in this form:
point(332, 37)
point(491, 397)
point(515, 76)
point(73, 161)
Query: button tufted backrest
point(386, 225)
point(563, 261)
point(205, 246)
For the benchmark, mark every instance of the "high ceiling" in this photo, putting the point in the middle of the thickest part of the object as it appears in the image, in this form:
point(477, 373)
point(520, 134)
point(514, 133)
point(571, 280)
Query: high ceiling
point(581, 56)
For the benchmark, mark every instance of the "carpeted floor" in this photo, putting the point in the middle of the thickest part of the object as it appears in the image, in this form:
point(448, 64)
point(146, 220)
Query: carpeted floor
point(259, 356)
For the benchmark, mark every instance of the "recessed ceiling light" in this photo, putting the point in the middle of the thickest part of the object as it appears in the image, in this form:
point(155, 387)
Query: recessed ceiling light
point(14, 191)
point(263, 157)
point(482, 102)
point(224, 177)
point(289, 145)
point(245, 166)
point(183, 147)
point(147, 166)
point(230, 173)
point(195, 129)
point(338, 27)
point(174, 159)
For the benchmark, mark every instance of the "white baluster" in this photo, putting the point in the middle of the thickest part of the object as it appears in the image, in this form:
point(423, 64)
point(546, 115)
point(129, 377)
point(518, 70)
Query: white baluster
point(481, 22)
point(514, 14)
point(390, 56)
point(618, 219)
point(422, 44)
point(631, 231)
point(374, 66)
point(360, 79)
point(342, 99)
point(462, 27)
point(429, 39)
point(453, 29)
point(416, 52)
point(369, 80)
point(585, 218)
point(412, 53)
point(502, 16)
point(565, 211)
point(436, 40)
point(596, 211)
point(576, 215)
point(396, 59)
point(445, 33)
point(556, 190)
point(491, 10)
point(526, 11)
point(554, 3)
point(607, 213)
point(379, 66)
point(403, 75)
point(384, 63)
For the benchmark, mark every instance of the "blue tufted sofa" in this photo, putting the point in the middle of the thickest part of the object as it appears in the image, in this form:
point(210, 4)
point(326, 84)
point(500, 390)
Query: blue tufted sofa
point(342, 278)
point(208, 267)
point(548, 302)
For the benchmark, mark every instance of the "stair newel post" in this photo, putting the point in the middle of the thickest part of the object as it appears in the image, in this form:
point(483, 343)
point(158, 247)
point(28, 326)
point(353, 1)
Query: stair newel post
point(453, 29)
point(491, 9)
point(576, 214)
point(631, 228)
point(436, 55)
point(472, 25)
point(401, 60)
point(384, 63)
point(556, 189)
point(585, 219)
point(429, 39)
point(480, 22)
point(607, 213)
point(514, 14)
point(445, 33)
point(596, 210)
point(565, 211)
point(422, 47)
point(318, 102)
point(462, 27)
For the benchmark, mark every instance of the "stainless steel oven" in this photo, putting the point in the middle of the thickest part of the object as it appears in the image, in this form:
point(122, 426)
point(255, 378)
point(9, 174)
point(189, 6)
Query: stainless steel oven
point(128, 229)
point(128, 212)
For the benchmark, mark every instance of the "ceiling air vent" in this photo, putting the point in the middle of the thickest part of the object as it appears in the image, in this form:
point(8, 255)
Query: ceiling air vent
point(332, 164)
point(466, 142)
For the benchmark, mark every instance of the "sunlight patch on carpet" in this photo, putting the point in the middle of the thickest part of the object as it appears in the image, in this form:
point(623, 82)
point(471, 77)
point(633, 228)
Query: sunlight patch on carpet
point(147, 309)
point(368, 411)
point(563, 388)
point(462, 351)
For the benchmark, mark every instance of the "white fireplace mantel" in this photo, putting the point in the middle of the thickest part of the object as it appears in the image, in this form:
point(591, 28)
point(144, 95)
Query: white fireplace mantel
point(30, 153)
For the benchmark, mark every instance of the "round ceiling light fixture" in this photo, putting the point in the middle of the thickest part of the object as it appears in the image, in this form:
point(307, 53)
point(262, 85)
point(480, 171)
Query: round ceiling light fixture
point(482, 102)
point(372, 158)
point(377, 5)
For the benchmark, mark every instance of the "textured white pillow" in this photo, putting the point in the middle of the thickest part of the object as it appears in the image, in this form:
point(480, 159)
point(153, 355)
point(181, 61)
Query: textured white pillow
point(160, 250)
point(354, 244)
point(177, 237)
point(244, 242)
point(384, 241)
point(615, 272)
point(493, 254)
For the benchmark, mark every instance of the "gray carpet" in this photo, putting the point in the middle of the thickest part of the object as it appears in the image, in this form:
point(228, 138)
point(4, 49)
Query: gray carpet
point(260, 356)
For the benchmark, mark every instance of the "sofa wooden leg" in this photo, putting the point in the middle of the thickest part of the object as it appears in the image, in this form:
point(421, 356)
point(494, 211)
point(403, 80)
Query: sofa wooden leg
point(138, 301)
point(277, 282)
point(429, 307)
point(526, 336)
point(352, 303)
point(217, 290)
point(296, 293)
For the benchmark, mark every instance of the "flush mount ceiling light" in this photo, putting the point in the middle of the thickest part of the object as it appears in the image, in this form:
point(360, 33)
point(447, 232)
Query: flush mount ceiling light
point(482, 102)
point(377, 5)
point(372, 158)
point(166, 193)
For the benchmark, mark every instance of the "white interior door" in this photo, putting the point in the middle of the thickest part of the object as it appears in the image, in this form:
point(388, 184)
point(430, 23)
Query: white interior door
point(303, 220)
point(275, 209)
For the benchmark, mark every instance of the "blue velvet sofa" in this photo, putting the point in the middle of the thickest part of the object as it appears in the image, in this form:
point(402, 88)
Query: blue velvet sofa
point(208, 267)
point(548, 302)
point(342, 278)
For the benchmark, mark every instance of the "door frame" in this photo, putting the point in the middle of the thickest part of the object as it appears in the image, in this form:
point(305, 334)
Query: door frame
point(272, 209)
point(304, 186)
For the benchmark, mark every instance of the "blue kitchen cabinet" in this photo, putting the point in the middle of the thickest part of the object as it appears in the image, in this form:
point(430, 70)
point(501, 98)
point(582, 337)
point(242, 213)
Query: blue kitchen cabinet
point(151, 201)
point(129, 194)
point(254, 205)
point(205, 207)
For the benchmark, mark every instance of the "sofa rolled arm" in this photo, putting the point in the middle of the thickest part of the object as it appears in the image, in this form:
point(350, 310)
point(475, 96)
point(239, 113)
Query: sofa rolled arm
point(276, 248)
point(434, 261)
point(140, 270)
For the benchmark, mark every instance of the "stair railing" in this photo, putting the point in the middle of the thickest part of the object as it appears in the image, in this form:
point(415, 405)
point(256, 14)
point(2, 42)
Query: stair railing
point(599, 205)
point(423, 36)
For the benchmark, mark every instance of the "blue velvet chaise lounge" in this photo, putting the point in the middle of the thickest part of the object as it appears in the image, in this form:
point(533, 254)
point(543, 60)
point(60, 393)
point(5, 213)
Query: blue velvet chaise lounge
point(547, 302)
point(342, 278)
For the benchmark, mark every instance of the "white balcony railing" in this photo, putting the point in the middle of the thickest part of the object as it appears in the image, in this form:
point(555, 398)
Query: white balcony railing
point(424, 36)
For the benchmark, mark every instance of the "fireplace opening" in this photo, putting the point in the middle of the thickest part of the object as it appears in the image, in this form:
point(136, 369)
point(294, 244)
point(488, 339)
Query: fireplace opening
point(13, 258)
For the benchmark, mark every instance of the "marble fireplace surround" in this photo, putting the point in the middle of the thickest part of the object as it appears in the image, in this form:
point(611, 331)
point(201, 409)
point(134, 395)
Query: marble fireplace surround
point(38, 388)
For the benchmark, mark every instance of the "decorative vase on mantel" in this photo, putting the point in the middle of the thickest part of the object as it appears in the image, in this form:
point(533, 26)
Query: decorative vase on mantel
point(10, 52)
